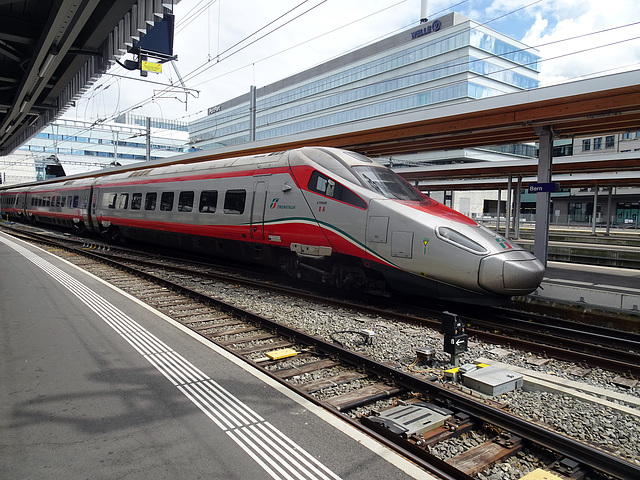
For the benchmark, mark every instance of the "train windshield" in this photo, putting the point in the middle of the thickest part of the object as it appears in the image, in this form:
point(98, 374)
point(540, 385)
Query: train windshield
point(388, 183)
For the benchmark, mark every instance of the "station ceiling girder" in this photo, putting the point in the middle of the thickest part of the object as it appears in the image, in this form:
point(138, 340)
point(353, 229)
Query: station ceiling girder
point(52, 51)
point(565, 165)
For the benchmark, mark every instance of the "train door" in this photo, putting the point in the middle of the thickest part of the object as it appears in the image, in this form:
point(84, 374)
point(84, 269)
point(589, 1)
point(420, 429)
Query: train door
point(257, 209)
point(91, 214)
point(22, 204)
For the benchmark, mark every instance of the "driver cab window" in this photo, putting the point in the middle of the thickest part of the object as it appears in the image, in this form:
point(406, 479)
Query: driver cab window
point(324, 185)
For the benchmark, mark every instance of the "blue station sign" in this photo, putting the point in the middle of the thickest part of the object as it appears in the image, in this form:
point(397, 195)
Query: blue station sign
point(542, 187)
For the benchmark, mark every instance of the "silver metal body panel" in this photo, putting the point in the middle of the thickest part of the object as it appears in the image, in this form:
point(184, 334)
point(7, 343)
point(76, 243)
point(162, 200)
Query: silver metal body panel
point(281, 202)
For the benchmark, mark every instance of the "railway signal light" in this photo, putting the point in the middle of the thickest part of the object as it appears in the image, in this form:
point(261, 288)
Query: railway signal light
point(455, 337)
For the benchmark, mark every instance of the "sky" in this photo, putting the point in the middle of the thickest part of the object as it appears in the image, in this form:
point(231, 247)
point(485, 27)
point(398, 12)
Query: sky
point(225, 46)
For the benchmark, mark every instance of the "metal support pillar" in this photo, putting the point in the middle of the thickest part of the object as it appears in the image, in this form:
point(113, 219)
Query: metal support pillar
point(545, 158)
point(148, 138)
point(609, 211)
point(498, 212)
point(595, 210)
point(508, 215)
point(516, 222)
point(252, 113)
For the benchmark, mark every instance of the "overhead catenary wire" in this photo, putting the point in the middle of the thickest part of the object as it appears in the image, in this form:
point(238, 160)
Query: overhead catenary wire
point(194, 73)
point(146, 101)
point(323, 95)
point(192, 15)
point(198, 71)
point(319, 97)
point(541, 45)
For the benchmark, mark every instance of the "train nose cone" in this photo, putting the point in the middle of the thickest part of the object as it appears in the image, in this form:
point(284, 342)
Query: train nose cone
point(511, 273)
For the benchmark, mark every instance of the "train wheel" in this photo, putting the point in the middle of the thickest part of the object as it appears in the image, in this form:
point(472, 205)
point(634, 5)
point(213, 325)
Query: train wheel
point(79, 228)
point(116, 237)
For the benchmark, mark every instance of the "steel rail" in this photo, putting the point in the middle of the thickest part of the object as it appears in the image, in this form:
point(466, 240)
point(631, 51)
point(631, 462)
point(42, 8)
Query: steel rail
point(594, 457)
point(613, 359)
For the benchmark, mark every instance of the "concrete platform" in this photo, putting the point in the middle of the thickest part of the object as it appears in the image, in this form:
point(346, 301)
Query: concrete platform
point(598, 286)
point(538, 381)
point(94, 384)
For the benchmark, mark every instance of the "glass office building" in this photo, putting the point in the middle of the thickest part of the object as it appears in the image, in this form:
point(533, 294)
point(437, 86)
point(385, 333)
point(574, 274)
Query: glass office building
point(446, 60)
point(80, 146)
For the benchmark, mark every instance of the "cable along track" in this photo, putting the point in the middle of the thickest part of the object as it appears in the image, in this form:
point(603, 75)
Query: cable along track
point(319, 369)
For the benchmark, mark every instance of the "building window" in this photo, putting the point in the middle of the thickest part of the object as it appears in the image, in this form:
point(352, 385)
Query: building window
point(577, 212)
point(586, 145)
point(609, 141)
point(597, 143)
point(626, 136)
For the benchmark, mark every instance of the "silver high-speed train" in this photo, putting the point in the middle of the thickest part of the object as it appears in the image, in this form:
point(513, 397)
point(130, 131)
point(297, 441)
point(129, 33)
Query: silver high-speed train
point(321, 214)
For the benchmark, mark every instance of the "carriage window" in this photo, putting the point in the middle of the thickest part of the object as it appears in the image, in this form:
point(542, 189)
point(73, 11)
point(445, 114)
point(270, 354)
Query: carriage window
point(123, 201)
point(150, 201)
point(48, 201)
point(40, 201)
point(112, 200)
point(54, 201)
point(234, 201)
point(69, 201)
point(325, 186)
point(208, 201)
point(136, 201)
point(185, 202)
point(76, 199)
point(166, 201)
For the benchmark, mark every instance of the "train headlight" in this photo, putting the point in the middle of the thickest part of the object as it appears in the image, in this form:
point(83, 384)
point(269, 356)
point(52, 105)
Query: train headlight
point(456, 238)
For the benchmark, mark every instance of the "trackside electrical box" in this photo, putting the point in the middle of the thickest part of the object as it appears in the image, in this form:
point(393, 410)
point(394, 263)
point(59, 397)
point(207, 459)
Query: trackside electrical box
point(451, 324)
point(492, 380)
point(415, 418)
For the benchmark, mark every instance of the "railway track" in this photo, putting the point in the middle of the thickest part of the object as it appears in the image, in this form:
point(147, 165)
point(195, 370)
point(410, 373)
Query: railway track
point(317, 369)
point(540, 333)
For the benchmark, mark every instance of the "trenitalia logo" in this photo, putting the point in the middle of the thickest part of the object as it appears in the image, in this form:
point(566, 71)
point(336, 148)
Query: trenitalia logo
point(504, 243)
point(434, 27)
point(274, 204)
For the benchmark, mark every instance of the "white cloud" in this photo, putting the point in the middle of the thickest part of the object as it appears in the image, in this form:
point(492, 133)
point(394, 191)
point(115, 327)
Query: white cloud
point(570, 47)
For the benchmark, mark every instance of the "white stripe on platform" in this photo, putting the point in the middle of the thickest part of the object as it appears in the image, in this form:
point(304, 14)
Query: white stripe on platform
point(278, 455)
